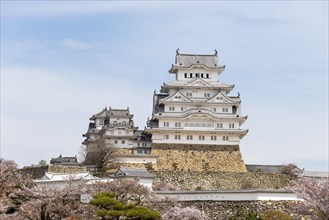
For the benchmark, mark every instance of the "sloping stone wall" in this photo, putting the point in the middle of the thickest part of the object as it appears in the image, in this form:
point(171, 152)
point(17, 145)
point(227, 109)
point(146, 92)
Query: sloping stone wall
point(66, 169)
point(196, 157)
point(232, 209)
point(222, 180)
point(225, 210)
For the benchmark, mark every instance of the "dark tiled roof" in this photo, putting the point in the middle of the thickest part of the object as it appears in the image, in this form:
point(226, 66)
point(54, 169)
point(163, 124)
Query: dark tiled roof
point(187, 60)
point(132, 172)
point(64, 160)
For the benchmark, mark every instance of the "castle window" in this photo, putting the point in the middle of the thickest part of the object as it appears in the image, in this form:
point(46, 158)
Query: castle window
point(171, 108)
point(185, 75)
point(207, 95)
point(123, 141)
point(225, 109)
point(191, 75)
point(166, 136)
point(225, 138)
point(182, 108)
point(208, 75)
point(177, 137)
point(101, 122)
point(115, 122)
point(201, 137)
point(123, 122)
point(213, 138)
point(139, 151)
point(231, 125)
point(215, 109)
point(197, 75)
point(178, 124)
point(165, 124)
point(138, 144)
point(145, 151)
point(115, 141)
point(201, 75)
point(219, 125)
point(189, 137)
point(189, 94)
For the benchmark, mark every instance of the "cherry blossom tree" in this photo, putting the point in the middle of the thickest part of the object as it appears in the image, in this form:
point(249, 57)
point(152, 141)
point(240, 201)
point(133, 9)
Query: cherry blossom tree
point(125, 190)
point(161, 186)
point(188, 213)
point(315, 193)
point(11, 182)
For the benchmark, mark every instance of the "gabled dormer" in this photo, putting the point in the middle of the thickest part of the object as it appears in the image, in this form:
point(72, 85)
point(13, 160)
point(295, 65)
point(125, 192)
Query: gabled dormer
point(221, 98)
point(198, 82)
point(176, 97)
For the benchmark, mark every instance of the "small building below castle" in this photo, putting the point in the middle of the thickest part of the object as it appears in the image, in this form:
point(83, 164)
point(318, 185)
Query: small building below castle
point(114, 128)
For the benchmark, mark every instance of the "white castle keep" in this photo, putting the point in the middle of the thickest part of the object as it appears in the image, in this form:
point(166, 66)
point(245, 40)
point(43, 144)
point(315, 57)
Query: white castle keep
point(196, 107)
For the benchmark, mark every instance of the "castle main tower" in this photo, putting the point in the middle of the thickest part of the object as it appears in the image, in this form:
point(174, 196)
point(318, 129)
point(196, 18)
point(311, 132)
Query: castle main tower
point(195, 123)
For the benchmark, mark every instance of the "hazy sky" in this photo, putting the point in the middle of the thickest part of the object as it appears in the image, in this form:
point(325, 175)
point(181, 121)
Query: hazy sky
point(62, 62)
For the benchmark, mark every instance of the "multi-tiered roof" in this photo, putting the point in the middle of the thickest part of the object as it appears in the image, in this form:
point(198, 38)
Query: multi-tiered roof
point(196, 103)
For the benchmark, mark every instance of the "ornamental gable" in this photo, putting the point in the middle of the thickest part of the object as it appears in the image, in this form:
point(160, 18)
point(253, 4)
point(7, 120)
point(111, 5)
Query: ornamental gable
point(177, 97)
point(220, 98)
point(198, 82)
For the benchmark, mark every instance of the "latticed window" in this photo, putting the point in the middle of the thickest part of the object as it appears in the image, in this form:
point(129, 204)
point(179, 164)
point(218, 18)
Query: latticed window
point(219, 125)
point(177, 137)
point(178, 124)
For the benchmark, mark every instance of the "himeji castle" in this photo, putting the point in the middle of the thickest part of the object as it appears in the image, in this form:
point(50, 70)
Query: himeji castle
point(195, 123)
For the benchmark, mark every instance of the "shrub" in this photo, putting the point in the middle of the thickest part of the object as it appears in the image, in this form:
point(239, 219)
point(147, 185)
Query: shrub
point(110, 208)
point(289, 169)
point(247, 184)
point(198, 188)
point(241, 215)
point(149, 166)
point(275, 215)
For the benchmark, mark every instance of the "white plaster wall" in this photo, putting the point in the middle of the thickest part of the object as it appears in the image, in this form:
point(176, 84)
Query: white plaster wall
point(160, 138)
point(229, 196)
point(213, 74)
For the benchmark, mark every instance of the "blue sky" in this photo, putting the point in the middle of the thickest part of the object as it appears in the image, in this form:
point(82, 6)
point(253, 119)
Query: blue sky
point(61, 62)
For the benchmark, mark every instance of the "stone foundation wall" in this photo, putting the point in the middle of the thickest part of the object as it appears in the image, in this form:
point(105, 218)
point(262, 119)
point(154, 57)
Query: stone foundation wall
point(223, 210)
point(132, 165)
point(196, 157)
point(222, 180)
point(66, 169)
